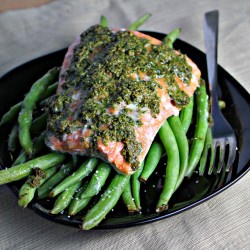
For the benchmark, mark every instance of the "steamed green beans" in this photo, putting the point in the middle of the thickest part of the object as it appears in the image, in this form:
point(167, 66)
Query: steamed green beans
point(186, 115)
point(18, 172)
point(171, 37)
point(49, 91)
point(204, 156)
point(172, 135)
point(78, 203)
point(136, 186)
point(182, 142)
point(39, 124)
point(84, 170)
point(128, 199)
point(38, 145)
point(13, 138)
point(103, 21)
point(24, 122)
point(64, 199)
point(13, 112)
point(28, 189)
point(45, 189)
point(107, 201)
point(139, 22)
point(200, 130)
point(152, 160)
point(28, 104)
point(173, 165)
point(97, 181)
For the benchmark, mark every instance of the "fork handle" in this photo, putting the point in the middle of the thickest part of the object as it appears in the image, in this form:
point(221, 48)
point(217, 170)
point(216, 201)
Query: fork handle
point(211, 28)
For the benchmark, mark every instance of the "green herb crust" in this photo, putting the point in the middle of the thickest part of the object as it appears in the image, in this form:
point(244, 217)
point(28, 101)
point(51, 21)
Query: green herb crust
point(115, 74)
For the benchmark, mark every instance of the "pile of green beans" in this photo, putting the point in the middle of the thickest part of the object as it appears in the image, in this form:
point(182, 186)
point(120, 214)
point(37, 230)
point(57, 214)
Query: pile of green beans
point(75, 181)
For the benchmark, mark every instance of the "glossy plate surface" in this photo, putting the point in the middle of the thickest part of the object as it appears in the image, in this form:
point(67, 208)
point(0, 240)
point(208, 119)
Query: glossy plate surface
point(192, 192)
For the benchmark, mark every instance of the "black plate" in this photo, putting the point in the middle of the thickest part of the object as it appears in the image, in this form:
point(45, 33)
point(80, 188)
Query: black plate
point(192, 192)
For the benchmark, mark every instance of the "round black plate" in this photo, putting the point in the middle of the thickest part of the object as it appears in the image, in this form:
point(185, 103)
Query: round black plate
point(192, 192)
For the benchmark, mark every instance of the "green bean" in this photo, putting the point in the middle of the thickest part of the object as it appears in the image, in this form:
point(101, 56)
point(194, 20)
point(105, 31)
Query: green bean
point(38, 88)
point(219, 179)
point(29, 103)
point(212, 152)
point(22, 157)
point(186, 114)
point(28, 189)
point(200, 130)
point(39, 124)
point(64, 199)
point(37, 147)
point(13, 112)
point(209, 145)
point(24, 121)
point(171, 37)
point(20, 171)
point(152, 160)
point(140, 21)
point(173, 165)
point(13, 138)
point(180, 128)
point(204, 156)
point(39, 143)
point(47, 95)
point(84, 170)
point(182, 142)
point(108, 200)
point(78, 204)
point(128, 199)
point(49, 91)
point(103, 21)
point(44, 190)
point(136, 185)
point(97, 180)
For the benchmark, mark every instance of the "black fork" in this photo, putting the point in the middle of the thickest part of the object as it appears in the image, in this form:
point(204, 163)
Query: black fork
point(222, 132)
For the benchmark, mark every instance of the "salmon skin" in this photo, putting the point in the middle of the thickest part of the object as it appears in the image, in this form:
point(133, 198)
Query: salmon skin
point(116, 89)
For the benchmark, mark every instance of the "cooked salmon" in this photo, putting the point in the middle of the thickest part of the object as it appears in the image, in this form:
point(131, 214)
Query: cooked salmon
point(116, 89)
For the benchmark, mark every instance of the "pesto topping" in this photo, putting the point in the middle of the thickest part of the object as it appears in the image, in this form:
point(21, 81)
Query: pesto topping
point(111, 81)
point(36, 177)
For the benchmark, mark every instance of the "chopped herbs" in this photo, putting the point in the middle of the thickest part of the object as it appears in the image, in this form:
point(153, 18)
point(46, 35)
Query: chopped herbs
point(112, 80)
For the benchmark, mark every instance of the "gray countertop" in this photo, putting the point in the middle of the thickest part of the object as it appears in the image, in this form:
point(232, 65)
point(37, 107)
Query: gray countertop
point(220, 223)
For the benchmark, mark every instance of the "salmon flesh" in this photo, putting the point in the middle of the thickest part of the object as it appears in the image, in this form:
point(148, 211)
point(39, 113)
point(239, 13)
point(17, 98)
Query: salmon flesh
point(116, 89)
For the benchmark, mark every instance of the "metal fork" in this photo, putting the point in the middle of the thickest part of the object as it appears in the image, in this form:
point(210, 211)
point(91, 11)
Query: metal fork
point(223, 134)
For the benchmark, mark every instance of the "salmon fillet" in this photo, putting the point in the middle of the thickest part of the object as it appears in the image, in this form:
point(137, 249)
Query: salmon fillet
point(116, 89)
